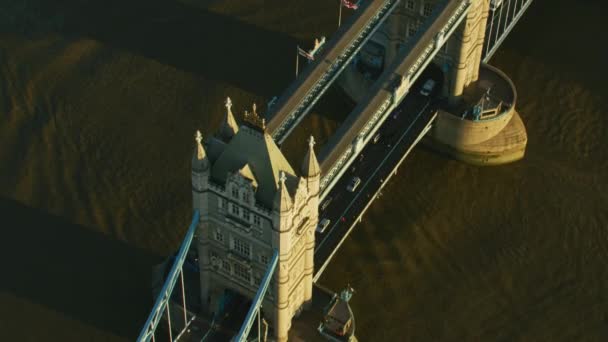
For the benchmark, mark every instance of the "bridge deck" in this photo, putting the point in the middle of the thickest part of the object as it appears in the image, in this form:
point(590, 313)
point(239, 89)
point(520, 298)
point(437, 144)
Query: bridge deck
point(398, 136)
point(381, 90)
point(334, 48)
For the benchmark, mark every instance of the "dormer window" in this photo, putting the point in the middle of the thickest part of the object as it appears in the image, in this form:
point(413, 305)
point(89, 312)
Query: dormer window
point(235, 192)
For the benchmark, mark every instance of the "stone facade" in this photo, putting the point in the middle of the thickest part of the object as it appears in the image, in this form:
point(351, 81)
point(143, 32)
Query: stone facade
point(252, 203)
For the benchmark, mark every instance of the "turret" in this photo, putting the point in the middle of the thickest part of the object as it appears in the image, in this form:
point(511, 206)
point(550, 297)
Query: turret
point(200, 162)
point(282, 200)
point(229, 127)
point(200, 174)
point(310, 165)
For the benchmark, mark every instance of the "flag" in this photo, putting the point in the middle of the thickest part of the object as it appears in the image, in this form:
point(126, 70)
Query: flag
point(306, 54)
point(349, 5)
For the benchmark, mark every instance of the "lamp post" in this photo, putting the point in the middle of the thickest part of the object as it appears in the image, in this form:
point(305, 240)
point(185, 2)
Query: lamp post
point(297, 59)
point(340, 14)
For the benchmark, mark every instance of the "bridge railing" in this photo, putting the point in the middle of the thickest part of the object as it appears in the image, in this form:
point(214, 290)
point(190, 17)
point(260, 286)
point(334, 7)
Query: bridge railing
point(502, 20)
point(330, 75)
point(329, 179)
point(161, 306)
point(256, 304)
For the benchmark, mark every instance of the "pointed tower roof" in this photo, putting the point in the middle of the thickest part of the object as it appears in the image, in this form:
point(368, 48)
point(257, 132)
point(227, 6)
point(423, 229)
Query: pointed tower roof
point(229, 127)
point(282, 199)
point(201, 161)
point(310, 165)
point(265, 160)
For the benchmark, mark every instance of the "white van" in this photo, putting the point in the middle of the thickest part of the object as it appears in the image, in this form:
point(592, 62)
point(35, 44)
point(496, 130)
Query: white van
point(354, 184)
point(427, 88)
point(323, 225)
point(326, 203)
point(376, 138)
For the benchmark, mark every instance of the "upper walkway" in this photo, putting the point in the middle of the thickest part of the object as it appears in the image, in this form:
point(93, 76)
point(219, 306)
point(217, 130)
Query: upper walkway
point(299, 98)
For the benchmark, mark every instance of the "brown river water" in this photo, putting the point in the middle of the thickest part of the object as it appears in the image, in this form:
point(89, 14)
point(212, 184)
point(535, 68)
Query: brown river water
point(99, 101)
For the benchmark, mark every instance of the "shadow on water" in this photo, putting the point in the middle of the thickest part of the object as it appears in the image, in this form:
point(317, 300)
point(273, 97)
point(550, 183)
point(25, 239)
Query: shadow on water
point(71, 269)
point(195, 40)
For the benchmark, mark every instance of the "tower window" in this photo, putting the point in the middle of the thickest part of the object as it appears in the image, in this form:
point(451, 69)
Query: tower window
point(427, 9)
point(412, 27)
point(246, 196)
point(257, 221)
point(235, 192)
point(223, 203)
point(246, 215)
point(242, 247)
point(264, 259)
point(235, 209)
point(242, 272)
point(409, 4)
point(219, 236)
point(226, 265)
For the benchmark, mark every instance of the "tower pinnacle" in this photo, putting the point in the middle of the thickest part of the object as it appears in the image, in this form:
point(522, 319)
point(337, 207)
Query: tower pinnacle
point(310, 165)
point(200, 150)
point(229, 126)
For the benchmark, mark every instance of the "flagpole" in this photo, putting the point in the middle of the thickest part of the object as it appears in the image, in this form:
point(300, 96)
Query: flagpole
point(340, 14)
point(297, 59)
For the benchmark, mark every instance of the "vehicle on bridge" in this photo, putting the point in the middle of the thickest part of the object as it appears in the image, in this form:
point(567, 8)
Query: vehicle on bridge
point(397, 112)
point(376, 137)
point(326, 203)
point(354, 184)
point(494, 4)
point(428, 87)
point(323, 225)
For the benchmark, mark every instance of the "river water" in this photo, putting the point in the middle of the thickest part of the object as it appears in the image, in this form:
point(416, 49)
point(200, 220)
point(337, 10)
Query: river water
point(99, 103)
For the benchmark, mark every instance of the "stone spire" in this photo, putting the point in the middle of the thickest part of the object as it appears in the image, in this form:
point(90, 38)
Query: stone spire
point(282, 200)
point(310, 165)
point(229, 126)
point(200, 161)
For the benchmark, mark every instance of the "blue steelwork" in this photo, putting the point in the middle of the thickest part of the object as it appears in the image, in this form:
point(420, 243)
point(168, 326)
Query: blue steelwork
point(257, 300)
point(492, 46)
point(165, 294)
point(330, 178)
point(292, 120)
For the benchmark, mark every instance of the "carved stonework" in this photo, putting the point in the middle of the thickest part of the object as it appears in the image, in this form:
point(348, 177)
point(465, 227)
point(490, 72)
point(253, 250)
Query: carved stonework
point(254, 119)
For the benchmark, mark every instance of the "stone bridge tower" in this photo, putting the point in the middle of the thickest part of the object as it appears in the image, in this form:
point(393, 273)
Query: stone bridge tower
point(251, 203)
point(460, 57)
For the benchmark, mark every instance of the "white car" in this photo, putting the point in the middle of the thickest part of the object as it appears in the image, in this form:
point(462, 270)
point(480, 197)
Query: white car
point(354, 184)
point(494, 4)
point(323, 225)
point(427, 88)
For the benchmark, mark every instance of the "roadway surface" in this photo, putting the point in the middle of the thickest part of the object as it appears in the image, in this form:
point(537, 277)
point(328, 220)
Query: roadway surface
point(398, 133)
point(296, 93)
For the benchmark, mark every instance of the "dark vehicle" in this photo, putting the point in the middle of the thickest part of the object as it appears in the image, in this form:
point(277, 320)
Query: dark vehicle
point(397, 112)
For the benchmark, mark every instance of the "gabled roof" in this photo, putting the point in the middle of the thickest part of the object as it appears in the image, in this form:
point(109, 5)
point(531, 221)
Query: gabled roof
point(246, 172)
point(264, 159)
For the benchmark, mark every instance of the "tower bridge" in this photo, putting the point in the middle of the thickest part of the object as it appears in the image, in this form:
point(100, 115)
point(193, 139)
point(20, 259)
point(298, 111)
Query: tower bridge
point(266, 231)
